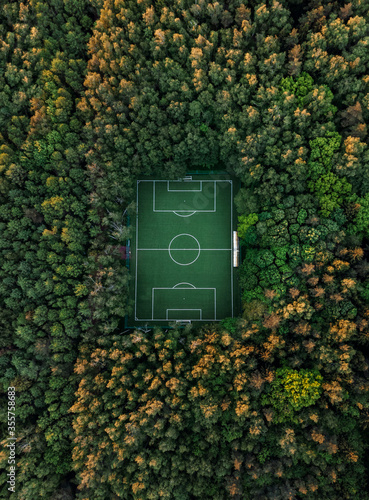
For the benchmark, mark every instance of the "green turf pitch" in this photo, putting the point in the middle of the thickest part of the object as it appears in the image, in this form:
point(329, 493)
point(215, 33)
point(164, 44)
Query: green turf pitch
point(182, 251)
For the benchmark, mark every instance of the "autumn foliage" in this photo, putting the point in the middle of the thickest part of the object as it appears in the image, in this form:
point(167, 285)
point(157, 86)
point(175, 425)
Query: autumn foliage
point(270, 405)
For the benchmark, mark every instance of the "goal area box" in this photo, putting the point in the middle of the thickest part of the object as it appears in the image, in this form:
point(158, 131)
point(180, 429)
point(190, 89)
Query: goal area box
point(182, 303)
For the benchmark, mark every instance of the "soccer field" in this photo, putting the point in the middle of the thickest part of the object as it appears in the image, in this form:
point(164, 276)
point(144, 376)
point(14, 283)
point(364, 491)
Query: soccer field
point(182, 251)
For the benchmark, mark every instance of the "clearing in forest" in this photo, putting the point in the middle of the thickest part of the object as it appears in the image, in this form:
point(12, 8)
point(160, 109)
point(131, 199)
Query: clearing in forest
point(181, 255)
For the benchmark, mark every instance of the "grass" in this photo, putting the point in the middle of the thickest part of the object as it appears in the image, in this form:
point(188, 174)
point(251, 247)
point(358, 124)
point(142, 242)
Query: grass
point(181, 256)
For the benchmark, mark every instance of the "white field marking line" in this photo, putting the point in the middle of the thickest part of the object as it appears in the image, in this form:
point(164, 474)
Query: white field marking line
point(190, 249)
point(215, 197)
point(184, 190)
point(193, 211)
point(136, 247)
point(185, 234)
point(184, 283)
point(199, 249)
point(146, 180)
point(158, 319)
point(188, 263)
point(167, 310)
point(189, 288)
point(188, 215)
point(171, 180)
point(232, 244)
point(153, 196)
point(172, 288)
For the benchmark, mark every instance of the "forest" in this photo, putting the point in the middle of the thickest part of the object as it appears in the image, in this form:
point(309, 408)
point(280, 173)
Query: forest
point(273, 404)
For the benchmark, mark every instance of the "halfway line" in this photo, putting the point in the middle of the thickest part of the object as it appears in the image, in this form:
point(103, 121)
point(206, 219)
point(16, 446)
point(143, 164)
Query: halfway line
point(188, 249)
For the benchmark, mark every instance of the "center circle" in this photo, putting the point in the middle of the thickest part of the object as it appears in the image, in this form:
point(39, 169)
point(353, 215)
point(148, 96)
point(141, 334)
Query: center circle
point(184, 249)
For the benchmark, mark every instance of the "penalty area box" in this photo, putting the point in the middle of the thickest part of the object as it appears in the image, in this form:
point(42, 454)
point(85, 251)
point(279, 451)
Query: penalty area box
point(183, 303)
point(175, 196)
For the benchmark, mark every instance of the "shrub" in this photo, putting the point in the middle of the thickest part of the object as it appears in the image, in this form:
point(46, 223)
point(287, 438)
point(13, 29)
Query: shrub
point(245, 222)
point(293, 390)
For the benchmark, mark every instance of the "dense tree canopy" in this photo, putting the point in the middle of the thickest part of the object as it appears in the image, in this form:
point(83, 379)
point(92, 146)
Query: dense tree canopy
point(271, 404)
